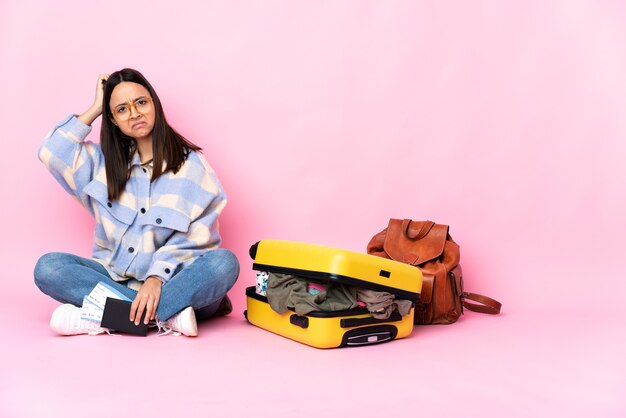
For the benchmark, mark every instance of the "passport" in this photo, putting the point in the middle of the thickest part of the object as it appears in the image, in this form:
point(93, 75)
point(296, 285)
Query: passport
point(115, 317)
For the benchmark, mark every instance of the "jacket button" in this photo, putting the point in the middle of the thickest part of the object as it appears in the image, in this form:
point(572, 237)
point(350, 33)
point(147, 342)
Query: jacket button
point(158, 220)
point(131, 250)
point(109, 204)
point(167, 271)
point(143, 210)
point(144, 170)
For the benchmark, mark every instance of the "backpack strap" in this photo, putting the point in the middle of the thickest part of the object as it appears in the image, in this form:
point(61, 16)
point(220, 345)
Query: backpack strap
point(423, 229)
point(487, 305)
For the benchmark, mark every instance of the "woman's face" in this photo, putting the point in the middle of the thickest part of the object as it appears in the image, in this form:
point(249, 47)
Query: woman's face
point(132, 109)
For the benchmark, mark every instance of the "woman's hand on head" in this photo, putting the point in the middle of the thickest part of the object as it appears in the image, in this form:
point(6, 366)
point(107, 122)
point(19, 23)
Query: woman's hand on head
point(147, 300)
point(102, 79)
point(95, 109)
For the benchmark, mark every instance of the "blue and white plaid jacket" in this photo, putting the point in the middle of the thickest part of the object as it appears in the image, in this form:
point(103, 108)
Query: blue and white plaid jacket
point(153, 228)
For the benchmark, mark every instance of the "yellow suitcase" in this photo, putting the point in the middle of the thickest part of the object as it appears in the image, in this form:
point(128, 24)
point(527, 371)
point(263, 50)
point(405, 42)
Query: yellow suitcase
point(338, 328)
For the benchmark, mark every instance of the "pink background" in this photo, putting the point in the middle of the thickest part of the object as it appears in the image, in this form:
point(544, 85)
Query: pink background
point(505, 120)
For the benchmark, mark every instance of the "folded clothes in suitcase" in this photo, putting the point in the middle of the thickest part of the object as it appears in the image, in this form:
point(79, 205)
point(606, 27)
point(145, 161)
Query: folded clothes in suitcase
point(330, 329)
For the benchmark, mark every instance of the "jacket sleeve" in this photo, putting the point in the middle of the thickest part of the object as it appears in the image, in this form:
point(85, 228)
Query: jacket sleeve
point(206, 202)
point(71, 160)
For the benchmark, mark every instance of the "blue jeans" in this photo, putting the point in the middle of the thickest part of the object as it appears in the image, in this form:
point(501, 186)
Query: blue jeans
point(203, 284)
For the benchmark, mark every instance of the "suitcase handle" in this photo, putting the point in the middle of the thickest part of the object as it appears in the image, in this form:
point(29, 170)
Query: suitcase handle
point(253, 250)
point(301, 321)
point(357, 322)
point(369, 335)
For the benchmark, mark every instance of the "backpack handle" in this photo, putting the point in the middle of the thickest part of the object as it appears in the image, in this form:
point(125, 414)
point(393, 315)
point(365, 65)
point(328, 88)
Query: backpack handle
point(421, 233)
point(485, 304)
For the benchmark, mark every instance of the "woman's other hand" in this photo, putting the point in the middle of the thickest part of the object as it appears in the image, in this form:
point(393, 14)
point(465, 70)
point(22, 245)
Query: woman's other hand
point(147, 299)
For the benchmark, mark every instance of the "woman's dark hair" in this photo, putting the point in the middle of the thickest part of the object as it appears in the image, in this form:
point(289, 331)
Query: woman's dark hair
point(167, 145)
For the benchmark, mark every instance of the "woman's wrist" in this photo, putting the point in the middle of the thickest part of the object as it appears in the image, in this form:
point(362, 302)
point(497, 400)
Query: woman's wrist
point(157, 278)
point(91, 114)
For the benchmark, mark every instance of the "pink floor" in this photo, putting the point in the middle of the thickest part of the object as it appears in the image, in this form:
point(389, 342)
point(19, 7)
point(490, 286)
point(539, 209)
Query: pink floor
point(544, 363)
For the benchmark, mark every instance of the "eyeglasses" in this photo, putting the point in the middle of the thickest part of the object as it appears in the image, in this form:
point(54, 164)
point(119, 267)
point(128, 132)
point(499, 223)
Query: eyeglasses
point(142, 105)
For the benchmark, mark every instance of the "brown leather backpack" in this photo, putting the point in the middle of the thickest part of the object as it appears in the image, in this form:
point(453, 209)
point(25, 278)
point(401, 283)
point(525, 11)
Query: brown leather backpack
point(429, 247)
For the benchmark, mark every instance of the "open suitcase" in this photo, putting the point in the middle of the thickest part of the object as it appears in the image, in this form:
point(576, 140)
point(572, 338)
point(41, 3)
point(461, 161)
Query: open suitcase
point(337, 328)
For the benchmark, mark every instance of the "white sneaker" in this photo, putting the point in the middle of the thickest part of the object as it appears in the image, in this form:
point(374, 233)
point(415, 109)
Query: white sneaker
point(183, 322)
point(66, 320)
